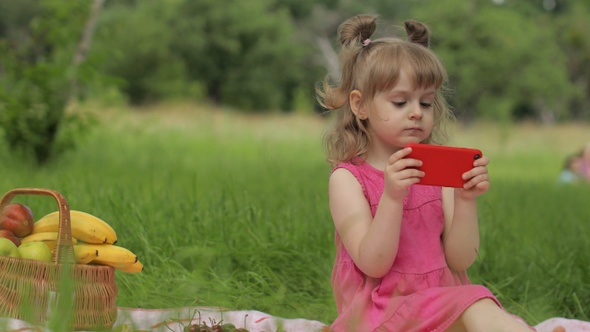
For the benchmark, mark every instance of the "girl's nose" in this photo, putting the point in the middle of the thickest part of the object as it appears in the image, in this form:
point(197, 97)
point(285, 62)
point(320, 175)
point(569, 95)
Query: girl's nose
point(416, 112)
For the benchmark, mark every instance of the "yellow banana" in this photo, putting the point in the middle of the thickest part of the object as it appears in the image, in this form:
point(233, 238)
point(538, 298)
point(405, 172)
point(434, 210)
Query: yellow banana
point(111, 255)
point(85, 254)
point(108, 230)
point(85, 227)
point(80, 217)
point(49, 238)
point(129, 268)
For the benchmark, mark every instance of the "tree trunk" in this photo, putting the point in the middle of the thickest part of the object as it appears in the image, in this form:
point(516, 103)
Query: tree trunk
point(84, 43)
point(88, 32)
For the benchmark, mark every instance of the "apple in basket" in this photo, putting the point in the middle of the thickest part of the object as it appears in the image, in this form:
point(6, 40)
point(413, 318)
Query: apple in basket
point(8, 248)
point(4, 233)
point(35, 250)
point(18, 219)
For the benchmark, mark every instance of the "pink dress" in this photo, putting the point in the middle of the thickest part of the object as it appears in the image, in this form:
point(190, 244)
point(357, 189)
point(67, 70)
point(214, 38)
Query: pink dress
point(420, 293)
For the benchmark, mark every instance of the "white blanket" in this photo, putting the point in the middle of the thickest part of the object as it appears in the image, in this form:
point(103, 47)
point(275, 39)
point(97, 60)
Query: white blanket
point(166, 320)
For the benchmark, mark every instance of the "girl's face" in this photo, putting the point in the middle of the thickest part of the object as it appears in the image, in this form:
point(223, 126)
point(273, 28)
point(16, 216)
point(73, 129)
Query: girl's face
point(401, 115)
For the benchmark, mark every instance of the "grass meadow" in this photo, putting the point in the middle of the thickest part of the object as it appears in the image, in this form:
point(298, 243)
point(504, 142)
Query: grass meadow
point(231, 210)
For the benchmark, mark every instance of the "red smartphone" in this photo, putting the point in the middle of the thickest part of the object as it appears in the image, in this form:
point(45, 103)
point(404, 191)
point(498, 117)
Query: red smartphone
point(443, 165)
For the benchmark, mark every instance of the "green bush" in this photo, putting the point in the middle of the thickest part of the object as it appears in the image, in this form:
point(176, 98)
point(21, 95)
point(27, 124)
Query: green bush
point(38, 77)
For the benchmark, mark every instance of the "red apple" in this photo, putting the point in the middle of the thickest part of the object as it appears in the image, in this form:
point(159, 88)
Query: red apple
point(9, 235)
point(18, 219)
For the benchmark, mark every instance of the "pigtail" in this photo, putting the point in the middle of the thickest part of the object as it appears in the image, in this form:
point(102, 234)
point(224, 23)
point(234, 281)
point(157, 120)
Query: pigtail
point(357, 29)
point(417, 33)
point(352, 33)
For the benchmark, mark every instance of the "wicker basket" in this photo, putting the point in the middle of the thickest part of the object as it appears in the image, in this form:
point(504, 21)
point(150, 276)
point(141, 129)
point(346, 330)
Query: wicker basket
point(37, 291)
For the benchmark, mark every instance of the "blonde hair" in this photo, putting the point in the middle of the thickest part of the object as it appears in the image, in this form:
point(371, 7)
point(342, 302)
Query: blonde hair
point(372, 67)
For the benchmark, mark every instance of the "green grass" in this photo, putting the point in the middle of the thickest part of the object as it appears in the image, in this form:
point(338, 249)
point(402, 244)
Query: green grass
point(231, 211)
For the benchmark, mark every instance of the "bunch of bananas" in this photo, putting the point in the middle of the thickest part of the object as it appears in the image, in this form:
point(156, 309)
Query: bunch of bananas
point(93, 241)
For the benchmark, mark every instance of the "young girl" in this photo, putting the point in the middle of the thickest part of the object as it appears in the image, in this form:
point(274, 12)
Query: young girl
point(402, 248)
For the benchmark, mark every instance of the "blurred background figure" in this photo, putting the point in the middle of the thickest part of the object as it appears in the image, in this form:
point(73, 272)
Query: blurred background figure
point(576, 167)
point(585, 162)
point(572, 170)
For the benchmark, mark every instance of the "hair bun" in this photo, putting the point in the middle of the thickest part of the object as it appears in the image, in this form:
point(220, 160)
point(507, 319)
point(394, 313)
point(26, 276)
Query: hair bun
point(357, 29)
point(417, 32)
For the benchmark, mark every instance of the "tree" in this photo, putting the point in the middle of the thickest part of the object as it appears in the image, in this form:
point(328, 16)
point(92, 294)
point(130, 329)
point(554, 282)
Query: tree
point(250, 57)
point(37, 74)
point(574, 38)
point(134, 48)
point(241, 54)
point(502, 64)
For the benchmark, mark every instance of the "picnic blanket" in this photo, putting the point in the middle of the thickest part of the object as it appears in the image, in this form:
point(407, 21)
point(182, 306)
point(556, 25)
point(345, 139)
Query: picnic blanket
point(175, 319)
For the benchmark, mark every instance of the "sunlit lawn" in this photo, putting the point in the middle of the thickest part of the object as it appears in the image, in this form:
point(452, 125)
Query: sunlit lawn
point(231, 210)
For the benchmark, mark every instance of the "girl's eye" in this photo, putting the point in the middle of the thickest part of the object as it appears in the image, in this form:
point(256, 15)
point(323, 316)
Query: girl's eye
point(427, 105)
point(399, 103)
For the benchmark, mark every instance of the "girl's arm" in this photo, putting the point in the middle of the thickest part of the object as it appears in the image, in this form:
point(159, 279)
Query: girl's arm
point(461, 234)
point(372, 242)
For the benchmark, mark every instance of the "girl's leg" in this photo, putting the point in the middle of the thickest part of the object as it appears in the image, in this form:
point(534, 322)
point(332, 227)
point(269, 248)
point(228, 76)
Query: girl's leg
point(485, 315)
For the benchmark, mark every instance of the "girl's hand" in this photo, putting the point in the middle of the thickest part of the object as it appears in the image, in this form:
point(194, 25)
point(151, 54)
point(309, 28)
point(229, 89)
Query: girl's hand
point(478, 180)
point(400, 173)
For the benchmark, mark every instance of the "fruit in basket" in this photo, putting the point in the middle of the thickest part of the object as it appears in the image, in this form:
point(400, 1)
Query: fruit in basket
point(49, 238)
point(85, 254)
point(111, 255)
point(4, 233)
point(129, 268)
point(85, 227)
point(8, 248)
point(115, 256)
point(35, 250)
point(17, 218)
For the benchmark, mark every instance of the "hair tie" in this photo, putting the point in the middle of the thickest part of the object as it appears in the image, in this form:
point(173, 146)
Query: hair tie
point(366, 42)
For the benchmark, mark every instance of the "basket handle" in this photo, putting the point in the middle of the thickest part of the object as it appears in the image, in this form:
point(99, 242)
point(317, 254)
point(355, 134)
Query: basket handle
point(65, 250)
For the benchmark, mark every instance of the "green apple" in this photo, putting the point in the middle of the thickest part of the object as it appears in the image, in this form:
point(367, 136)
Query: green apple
point(35, 250)
point(8, 248)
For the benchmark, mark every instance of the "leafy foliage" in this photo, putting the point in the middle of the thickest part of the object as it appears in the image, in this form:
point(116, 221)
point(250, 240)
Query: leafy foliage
point(508, 60)
point(32, 108)
point(36, 77)
point(502, 65)
point(141, 57)
point(574, 39)
point(249, 58)
point(242, 54)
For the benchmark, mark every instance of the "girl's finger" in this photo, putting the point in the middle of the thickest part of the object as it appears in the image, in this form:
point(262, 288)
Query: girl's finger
point(398, 155)
point(483, 161)
point(477, 180)
point(478, 170)
point(410, 173)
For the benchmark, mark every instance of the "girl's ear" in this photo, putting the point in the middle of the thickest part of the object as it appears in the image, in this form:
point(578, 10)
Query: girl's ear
point(356, 106)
